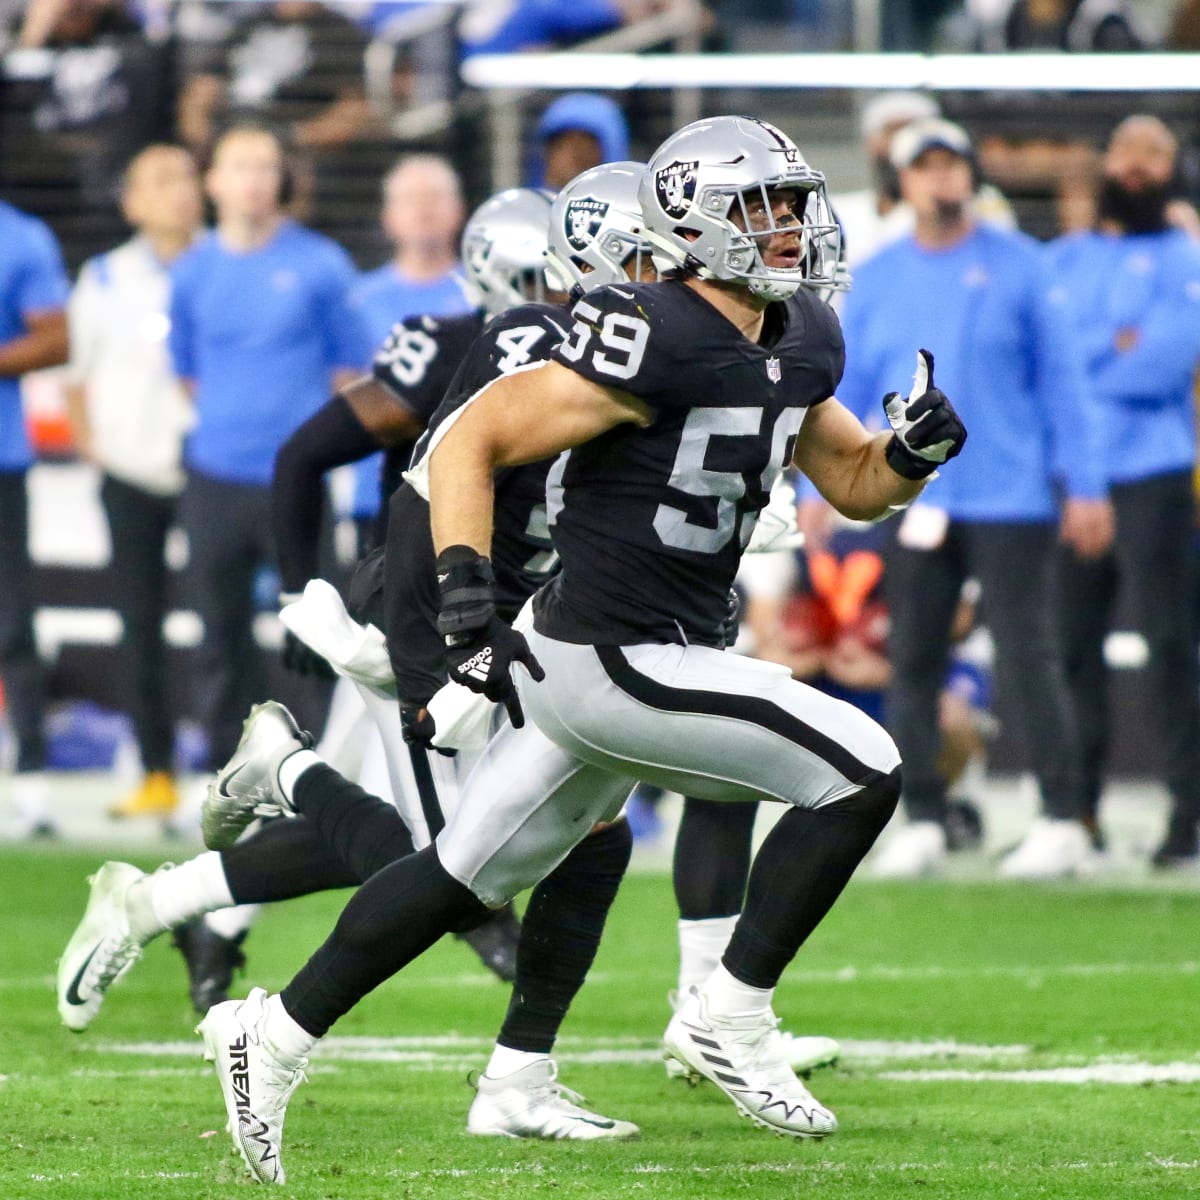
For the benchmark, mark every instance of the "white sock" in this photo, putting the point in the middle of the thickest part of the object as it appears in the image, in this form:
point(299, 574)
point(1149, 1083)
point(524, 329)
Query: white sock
point(173, 895)
point(289, 1039)
point(701, 944)
point(232, 922)
point(728, 997)
point(293, 767)
point(505, 1060)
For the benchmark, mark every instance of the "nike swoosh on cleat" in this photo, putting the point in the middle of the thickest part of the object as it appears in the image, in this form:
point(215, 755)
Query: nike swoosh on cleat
point(73, 997)
point(221, 784)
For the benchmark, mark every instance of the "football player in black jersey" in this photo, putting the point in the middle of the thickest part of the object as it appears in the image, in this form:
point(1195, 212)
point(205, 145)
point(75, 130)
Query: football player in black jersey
point(566, 912)
point(504, 244)
point(680, 404)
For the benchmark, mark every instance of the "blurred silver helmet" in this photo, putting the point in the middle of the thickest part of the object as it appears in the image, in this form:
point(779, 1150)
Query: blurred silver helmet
point(595, 227)
point(504, 248)
point(695, 195)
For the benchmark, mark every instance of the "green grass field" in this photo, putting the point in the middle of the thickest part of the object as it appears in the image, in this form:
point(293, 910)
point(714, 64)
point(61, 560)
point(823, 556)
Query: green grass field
point(964, 1008)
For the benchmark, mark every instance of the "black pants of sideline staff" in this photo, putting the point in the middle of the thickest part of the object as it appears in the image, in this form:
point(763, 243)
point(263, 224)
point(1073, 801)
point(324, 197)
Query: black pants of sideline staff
point(1153, 557)
point(138, 523)
point(21, 670)
point(1014, 563)
point(229, 540)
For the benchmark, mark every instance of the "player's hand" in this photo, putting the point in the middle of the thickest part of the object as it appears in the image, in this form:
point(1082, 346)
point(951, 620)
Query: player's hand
point(417, 725)
point(484, 664)
point(1087, 526)
point(926, 431)
point(480, 648)
point(298, 656)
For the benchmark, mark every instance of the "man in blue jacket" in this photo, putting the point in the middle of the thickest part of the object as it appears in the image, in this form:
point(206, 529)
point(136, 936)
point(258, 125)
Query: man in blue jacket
point(979, 297)
point(261, 329)
point(1133, 290)
point(33, 335)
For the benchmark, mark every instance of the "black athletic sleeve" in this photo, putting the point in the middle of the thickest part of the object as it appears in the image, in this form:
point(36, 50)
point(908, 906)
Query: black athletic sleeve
point(331, 437)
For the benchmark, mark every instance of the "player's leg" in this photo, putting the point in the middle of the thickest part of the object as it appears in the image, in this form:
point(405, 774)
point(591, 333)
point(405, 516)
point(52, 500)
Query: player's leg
point(710, 868)
point(728, 728)
point(518, 1096)
point(525, 805)
point(337, 844)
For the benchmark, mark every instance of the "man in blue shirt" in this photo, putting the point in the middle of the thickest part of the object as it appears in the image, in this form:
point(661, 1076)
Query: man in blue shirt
point(1133, 290)
point(978, 297)
point(422, 216)
point(261, 326)
point(33, 335)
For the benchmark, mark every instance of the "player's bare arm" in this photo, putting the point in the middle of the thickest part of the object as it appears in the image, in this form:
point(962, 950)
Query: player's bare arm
point(382, 414)
point(848, 465)
point(862, 475)
point(519, 418)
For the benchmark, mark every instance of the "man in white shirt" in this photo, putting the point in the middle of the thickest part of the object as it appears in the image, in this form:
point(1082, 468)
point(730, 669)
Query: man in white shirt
point(130, 415)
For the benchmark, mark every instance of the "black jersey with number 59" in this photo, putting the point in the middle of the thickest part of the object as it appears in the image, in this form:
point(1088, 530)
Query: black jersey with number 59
point(522, 555)
point(650, 523)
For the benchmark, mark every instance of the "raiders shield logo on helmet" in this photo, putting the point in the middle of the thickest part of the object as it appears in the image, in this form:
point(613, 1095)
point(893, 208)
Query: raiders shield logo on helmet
point(582, 219)
point(675, 186)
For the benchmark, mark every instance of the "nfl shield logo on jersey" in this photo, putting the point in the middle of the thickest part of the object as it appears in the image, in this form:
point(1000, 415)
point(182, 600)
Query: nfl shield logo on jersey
point(582, 219)
point(774, 370)
point(675, 186)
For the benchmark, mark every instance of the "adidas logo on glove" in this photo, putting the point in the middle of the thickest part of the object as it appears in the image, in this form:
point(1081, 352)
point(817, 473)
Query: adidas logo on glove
point(478, 665)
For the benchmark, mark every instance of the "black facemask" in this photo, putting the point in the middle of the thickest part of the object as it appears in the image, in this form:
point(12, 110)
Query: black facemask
point(1140, 211)
point(887, 178)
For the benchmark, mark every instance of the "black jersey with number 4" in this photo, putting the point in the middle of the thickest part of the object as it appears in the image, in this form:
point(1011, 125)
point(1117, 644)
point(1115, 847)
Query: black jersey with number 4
point(650, 523)
point(522, 555)
point(417, 363)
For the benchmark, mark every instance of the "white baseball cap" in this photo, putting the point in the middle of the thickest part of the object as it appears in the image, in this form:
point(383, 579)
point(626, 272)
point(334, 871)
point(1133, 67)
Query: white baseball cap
point(913, 140)
point(896, 108)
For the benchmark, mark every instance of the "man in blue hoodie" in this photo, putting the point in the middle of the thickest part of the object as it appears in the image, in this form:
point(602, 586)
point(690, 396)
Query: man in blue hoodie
point(578, 131)
point(1133, 290)
point(979, 297)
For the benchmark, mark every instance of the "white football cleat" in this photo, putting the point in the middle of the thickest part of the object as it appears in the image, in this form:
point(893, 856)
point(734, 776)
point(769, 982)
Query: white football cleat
point(247, 786)
point(101, 949)
point(742, 1056)
point(531, 1103)
point(802, 1054)
point(257, 1080)
point(1051, 850)
point(919, 848)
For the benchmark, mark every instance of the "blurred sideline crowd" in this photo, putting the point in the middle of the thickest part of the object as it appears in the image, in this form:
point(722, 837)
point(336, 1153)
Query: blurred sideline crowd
point(192, 350)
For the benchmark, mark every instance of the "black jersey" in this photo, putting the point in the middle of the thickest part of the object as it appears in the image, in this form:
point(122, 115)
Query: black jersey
point(522, 555)
point(651, 523)
point(417, 363)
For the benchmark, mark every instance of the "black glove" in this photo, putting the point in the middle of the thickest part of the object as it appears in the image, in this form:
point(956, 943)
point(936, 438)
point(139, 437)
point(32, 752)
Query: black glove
point(416, 725)
point(480, 648)
point(304, 660)
point(733, 617)
point(418, 728)
point(926, 430)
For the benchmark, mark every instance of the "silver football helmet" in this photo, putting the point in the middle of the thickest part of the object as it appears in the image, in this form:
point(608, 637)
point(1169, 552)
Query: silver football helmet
point(706, 199)
point(504, 248)
point(595, 227)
